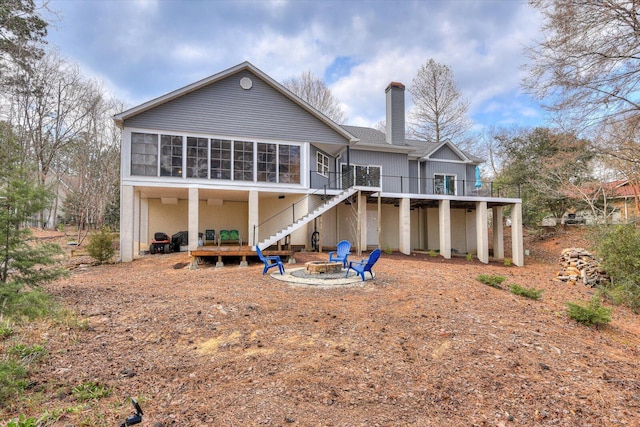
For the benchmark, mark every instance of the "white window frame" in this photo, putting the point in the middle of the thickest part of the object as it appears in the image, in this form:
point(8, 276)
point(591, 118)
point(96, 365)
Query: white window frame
point(444, 176)
point(322, 164)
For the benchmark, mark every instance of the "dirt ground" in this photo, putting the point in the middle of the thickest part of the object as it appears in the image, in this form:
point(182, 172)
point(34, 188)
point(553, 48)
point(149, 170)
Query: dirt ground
point(424, 344)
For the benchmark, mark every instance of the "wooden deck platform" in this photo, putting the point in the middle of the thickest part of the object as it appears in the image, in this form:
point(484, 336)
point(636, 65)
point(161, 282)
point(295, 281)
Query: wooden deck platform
point(227, 251)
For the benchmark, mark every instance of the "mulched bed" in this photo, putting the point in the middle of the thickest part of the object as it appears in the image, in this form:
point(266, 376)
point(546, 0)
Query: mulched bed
point(423, 344)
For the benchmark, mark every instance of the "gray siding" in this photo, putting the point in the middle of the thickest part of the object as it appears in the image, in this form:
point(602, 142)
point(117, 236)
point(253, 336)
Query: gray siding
point(223, 108)
point(394, 168)
point(317, 180)
point(445, 153)
point(413, 176)
point(463, 184)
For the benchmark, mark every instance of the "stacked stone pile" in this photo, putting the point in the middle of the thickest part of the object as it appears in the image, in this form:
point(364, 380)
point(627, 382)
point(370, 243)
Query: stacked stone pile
point(580, 265)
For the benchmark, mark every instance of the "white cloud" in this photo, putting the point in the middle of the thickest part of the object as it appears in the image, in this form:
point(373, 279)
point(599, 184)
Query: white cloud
point(146, 48)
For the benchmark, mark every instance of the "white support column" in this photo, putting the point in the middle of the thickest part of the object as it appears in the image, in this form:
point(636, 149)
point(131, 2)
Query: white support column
point(193, 212)
point(362, 214)
point(482, 232)
point(404, 226)
point(254, 217)
point(444, 222)
point(137, 221)
point(127, 217)
point(517, 243)
point(498, 233)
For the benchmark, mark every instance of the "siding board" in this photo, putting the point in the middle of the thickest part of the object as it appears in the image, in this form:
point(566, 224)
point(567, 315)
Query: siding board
point(223, 108)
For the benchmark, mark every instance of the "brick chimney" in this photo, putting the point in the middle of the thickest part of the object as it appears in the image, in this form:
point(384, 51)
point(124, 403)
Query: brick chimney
point(395, 113)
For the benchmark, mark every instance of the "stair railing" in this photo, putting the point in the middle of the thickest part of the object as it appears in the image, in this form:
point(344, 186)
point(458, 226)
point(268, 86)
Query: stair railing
point(299, 209)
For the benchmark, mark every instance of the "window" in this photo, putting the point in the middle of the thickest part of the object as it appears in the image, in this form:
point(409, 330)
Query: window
point(197, 149)
point(289, 164)
point(220, 159)
point(144, 154)
point(322, 164)
point(444, 184)
point(267, 162)
point(170, 155)
point(242, 161)
point(225, 159)
point(366, 176)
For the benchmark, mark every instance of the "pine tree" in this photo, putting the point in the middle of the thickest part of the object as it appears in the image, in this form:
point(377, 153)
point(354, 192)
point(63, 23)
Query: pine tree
point(23, 262)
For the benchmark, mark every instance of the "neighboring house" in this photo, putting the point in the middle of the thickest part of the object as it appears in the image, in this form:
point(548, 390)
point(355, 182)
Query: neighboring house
point(237, 150)
point(625, 201)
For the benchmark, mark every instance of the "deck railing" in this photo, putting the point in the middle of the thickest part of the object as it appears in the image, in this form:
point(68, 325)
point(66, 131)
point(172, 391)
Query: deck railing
point(426, 186)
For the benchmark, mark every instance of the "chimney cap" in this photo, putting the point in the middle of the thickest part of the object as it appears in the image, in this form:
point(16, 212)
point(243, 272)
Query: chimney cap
point(396, 85)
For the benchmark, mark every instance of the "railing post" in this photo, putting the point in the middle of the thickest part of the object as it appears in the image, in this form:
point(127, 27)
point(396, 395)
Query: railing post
point(464, 187)
point(254, 235)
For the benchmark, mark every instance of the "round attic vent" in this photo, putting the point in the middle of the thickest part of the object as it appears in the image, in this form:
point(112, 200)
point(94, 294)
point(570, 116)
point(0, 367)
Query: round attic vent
point(246, 83)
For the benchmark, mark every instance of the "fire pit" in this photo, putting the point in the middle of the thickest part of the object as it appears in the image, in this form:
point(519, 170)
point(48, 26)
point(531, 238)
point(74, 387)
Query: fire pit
point(323, 267)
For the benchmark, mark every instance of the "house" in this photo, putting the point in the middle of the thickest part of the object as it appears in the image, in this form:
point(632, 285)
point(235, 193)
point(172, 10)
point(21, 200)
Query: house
point(239, 151)
point(626, 201)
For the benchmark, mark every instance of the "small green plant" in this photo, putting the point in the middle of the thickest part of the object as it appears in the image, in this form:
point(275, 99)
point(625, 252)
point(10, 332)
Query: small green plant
point(101, 246)
point(388, 250)
point(5, 330)
point(13, 379)
point(71, 320)
point(433, 253)
point(28, 353)
point(22, 421)
point(469, 256)
point(531, 293)
point(490, 280)
point(91, 390)
point(591, 314)
point(507, 262)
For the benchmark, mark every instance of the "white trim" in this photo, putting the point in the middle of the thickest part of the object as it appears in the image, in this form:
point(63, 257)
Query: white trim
point(455, 149)
point(468, 162)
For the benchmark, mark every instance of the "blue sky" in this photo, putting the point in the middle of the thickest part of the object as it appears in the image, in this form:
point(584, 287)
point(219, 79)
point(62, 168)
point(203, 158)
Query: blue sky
point(144, 49)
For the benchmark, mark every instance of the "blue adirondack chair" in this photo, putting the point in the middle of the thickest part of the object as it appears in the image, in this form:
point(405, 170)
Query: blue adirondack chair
point(364, 265)
point(270, 261)
point(341, 253)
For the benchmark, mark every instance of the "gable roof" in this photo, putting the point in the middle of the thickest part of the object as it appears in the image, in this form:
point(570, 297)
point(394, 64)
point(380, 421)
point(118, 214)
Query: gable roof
point(121, 117)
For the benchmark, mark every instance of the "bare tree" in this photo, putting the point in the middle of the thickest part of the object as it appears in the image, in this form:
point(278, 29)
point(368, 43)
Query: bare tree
point(52, 107)
point(315, 92)
point(619, 141)
point(95, 167)
point(440, 112)
point(587, 66)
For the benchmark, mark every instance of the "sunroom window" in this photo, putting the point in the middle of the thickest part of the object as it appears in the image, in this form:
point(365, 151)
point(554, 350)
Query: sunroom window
point(144, 154)
point(289, 164)
point(242, 161)
point(220, 159)
point(170, 155)
point(197, 149)
point(267, 162)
